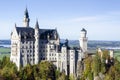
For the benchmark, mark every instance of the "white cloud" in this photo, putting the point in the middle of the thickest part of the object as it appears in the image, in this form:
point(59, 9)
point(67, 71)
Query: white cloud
point(88, 18)
point(102, 17)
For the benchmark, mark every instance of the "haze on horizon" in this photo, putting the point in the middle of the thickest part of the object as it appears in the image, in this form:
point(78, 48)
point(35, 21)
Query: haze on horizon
point(100, 18)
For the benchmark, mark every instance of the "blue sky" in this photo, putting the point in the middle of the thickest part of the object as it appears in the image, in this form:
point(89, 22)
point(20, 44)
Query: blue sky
point(101, 18)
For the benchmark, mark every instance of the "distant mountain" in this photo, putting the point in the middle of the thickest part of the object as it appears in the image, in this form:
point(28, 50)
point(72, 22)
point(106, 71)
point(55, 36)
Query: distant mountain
point(5, 42)
point(92, 44)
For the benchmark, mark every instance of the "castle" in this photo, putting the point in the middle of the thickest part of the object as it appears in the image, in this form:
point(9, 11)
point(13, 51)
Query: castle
point(33, 45)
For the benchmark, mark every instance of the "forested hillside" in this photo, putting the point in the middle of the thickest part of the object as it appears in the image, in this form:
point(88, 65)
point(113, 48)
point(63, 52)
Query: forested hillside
point(43, 71)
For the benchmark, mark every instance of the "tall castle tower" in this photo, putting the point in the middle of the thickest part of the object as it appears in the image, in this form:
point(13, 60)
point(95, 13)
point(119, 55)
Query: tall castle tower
point(36, 43)
point(83, 40)
point(26, 18)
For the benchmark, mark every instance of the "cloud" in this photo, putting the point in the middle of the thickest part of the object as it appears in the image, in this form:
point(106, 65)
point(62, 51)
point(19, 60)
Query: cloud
point(89, 18)
point(102, 17)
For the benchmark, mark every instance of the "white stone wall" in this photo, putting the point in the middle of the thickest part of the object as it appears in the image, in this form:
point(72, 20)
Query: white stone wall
point(36, 46)
point(72, 61)
point(83, 41)
point(15, 48)
point(111, 54)
point(64, 59)
point(80, 55)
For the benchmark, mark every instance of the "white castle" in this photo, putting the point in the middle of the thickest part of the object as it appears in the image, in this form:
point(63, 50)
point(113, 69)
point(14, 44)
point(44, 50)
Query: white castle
point(33, 45)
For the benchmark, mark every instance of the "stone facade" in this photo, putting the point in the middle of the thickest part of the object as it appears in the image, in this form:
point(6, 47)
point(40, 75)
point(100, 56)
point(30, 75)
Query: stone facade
point(32, 45)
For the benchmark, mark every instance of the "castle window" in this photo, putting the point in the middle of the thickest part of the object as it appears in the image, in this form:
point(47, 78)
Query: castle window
point(30, 46)
point(43, 58)
point(39, 50)
point(27, 55)
point(22, 51)
point(41, 55)
point(22, 55)
point(43, 50)
point(22, 46)
point(23, 42)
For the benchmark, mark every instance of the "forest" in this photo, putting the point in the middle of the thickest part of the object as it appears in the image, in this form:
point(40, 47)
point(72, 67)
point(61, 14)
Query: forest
point(101, 68)
point(95, 68)
point(43, 71)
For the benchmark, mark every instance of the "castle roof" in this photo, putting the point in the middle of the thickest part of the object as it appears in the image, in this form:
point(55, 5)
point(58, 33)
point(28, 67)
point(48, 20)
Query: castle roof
point(25, 32)
point(44, 33)
point(26, 13)
point(28, 33)
point(83, 30)
point(37, 25)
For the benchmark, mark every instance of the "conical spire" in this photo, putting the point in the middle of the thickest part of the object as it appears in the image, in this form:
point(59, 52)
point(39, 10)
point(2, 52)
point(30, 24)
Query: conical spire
point(36, 25)
point(19, 34)
point(26, 18)
point(83, 29)
point(26, 13)
point(15, 25)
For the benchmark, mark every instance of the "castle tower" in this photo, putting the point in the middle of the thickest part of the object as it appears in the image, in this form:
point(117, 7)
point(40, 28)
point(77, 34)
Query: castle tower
point(15, 47)
point(111, 54)
point(83, 40)
point(36, 43)
point(19, 51)
point(26, 18)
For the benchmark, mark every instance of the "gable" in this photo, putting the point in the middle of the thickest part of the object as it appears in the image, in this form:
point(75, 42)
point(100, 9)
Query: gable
point(14, 34)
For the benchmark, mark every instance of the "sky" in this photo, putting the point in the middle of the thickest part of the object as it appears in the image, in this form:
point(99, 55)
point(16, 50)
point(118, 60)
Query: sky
point(101, 18)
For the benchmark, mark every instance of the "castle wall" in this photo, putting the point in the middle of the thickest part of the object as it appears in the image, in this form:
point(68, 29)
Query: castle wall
point(31, 45)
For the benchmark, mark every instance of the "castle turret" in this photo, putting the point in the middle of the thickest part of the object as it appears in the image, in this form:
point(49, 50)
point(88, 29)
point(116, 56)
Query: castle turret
point(36, 43)
point(26, 18)
point(57, 37)
point(83, 40)
point(111, 54)
point(19, 51)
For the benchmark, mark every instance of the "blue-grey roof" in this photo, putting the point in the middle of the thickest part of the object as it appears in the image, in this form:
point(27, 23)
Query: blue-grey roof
point(83, 30)
point(25, 32)
point(28, 32)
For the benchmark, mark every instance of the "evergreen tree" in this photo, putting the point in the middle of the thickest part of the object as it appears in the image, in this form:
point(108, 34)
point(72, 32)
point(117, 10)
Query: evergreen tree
point(96, 65)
